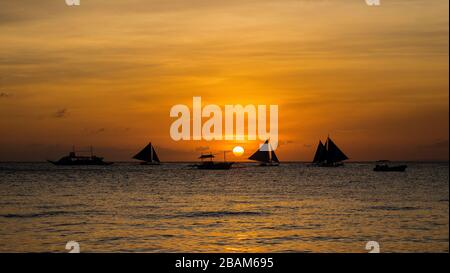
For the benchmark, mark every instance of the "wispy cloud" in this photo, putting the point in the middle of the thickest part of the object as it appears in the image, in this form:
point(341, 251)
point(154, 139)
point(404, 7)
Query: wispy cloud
point(438, 144)
point(101, 130)
point(97, 131)
point(202, 148)
point(4, 95)
point(61, 113)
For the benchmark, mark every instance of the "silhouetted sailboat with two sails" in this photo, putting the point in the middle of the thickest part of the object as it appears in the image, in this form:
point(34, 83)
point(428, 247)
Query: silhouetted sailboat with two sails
point(148, 156)
point(329, 155)
point(265, 155)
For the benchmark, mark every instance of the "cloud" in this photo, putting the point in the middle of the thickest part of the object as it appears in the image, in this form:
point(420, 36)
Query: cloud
point(4, 95)
point(438, 144)
point(202, 148)
point(61, 113)
point(285, 142)
point(95, 131)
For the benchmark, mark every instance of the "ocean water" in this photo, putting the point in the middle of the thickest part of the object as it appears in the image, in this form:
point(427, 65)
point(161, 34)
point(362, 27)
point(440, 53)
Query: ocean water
point(172, 208)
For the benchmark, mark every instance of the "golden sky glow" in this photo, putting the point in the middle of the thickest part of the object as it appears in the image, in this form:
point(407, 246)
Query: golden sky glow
point(106, 74)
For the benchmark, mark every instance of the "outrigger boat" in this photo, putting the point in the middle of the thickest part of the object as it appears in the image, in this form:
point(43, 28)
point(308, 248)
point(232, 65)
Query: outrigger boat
point(75, 160)
point(329, 155)
point(211, 165)
point(148, 156)
point(265, 156)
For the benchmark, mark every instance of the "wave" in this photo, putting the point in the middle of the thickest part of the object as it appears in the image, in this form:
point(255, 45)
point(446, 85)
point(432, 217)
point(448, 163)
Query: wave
point(51, 214)
point(201, 214)
point(34, 215)
point(391, 208)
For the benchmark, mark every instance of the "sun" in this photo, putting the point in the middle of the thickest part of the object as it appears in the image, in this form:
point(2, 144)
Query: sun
point(238, 151)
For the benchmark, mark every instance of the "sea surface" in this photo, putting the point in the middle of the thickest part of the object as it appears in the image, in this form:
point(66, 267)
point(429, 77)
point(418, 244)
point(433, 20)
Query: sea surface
point(173, 208)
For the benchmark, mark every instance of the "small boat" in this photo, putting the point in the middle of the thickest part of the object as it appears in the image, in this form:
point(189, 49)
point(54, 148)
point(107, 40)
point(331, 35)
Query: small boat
point(75, 160)
point(211, 165)
point(387, 168)
point(329, 155)
point(265, 156)
point(148, 156)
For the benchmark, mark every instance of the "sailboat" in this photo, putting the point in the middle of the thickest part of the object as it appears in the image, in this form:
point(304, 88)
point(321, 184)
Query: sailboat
point(265, 155)
point(148, 156)
point(329, 155)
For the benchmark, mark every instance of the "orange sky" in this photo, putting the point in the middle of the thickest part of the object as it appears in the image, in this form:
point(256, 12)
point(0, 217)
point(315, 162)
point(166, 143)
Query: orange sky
point(106, 74)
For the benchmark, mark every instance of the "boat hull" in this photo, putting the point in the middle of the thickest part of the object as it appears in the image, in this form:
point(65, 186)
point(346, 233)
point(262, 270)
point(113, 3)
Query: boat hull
point(215, 166)
point(328, 165)
point(80, 163)
point(150, 164)
point(269, 164)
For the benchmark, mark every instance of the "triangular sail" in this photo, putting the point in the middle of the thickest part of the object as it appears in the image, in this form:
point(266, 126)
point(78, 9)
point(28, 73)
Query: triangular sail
point(263, 154)
point(321, 153)
point(274, 157)
point(155, 156)
point(148, 154)
point(334, 154)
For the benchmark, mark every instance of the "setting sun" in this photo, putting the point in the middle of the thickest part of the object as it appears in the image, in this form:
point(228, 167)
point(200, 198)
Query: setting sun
point(238, 151)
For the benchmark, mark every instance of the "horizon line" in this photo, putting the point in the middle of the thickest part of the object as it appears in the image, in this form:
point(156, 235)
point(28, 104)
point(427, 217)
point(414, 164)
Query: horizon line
point(287, 162)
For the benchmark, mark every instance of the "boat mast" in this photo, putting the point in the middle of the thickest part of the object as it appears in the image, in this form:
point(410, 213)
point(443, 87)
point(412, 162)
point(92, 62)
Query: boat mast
point(269, 147)
point(151, 152)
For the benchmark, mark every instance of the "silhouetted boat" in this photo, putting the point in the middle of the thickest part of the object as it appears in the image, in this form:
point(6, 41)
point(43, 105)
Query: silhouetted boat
point(387, 168)
point(74, 160)
point(265, 155)
point(211, 165)
point(148, 156)
point(329, 155)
